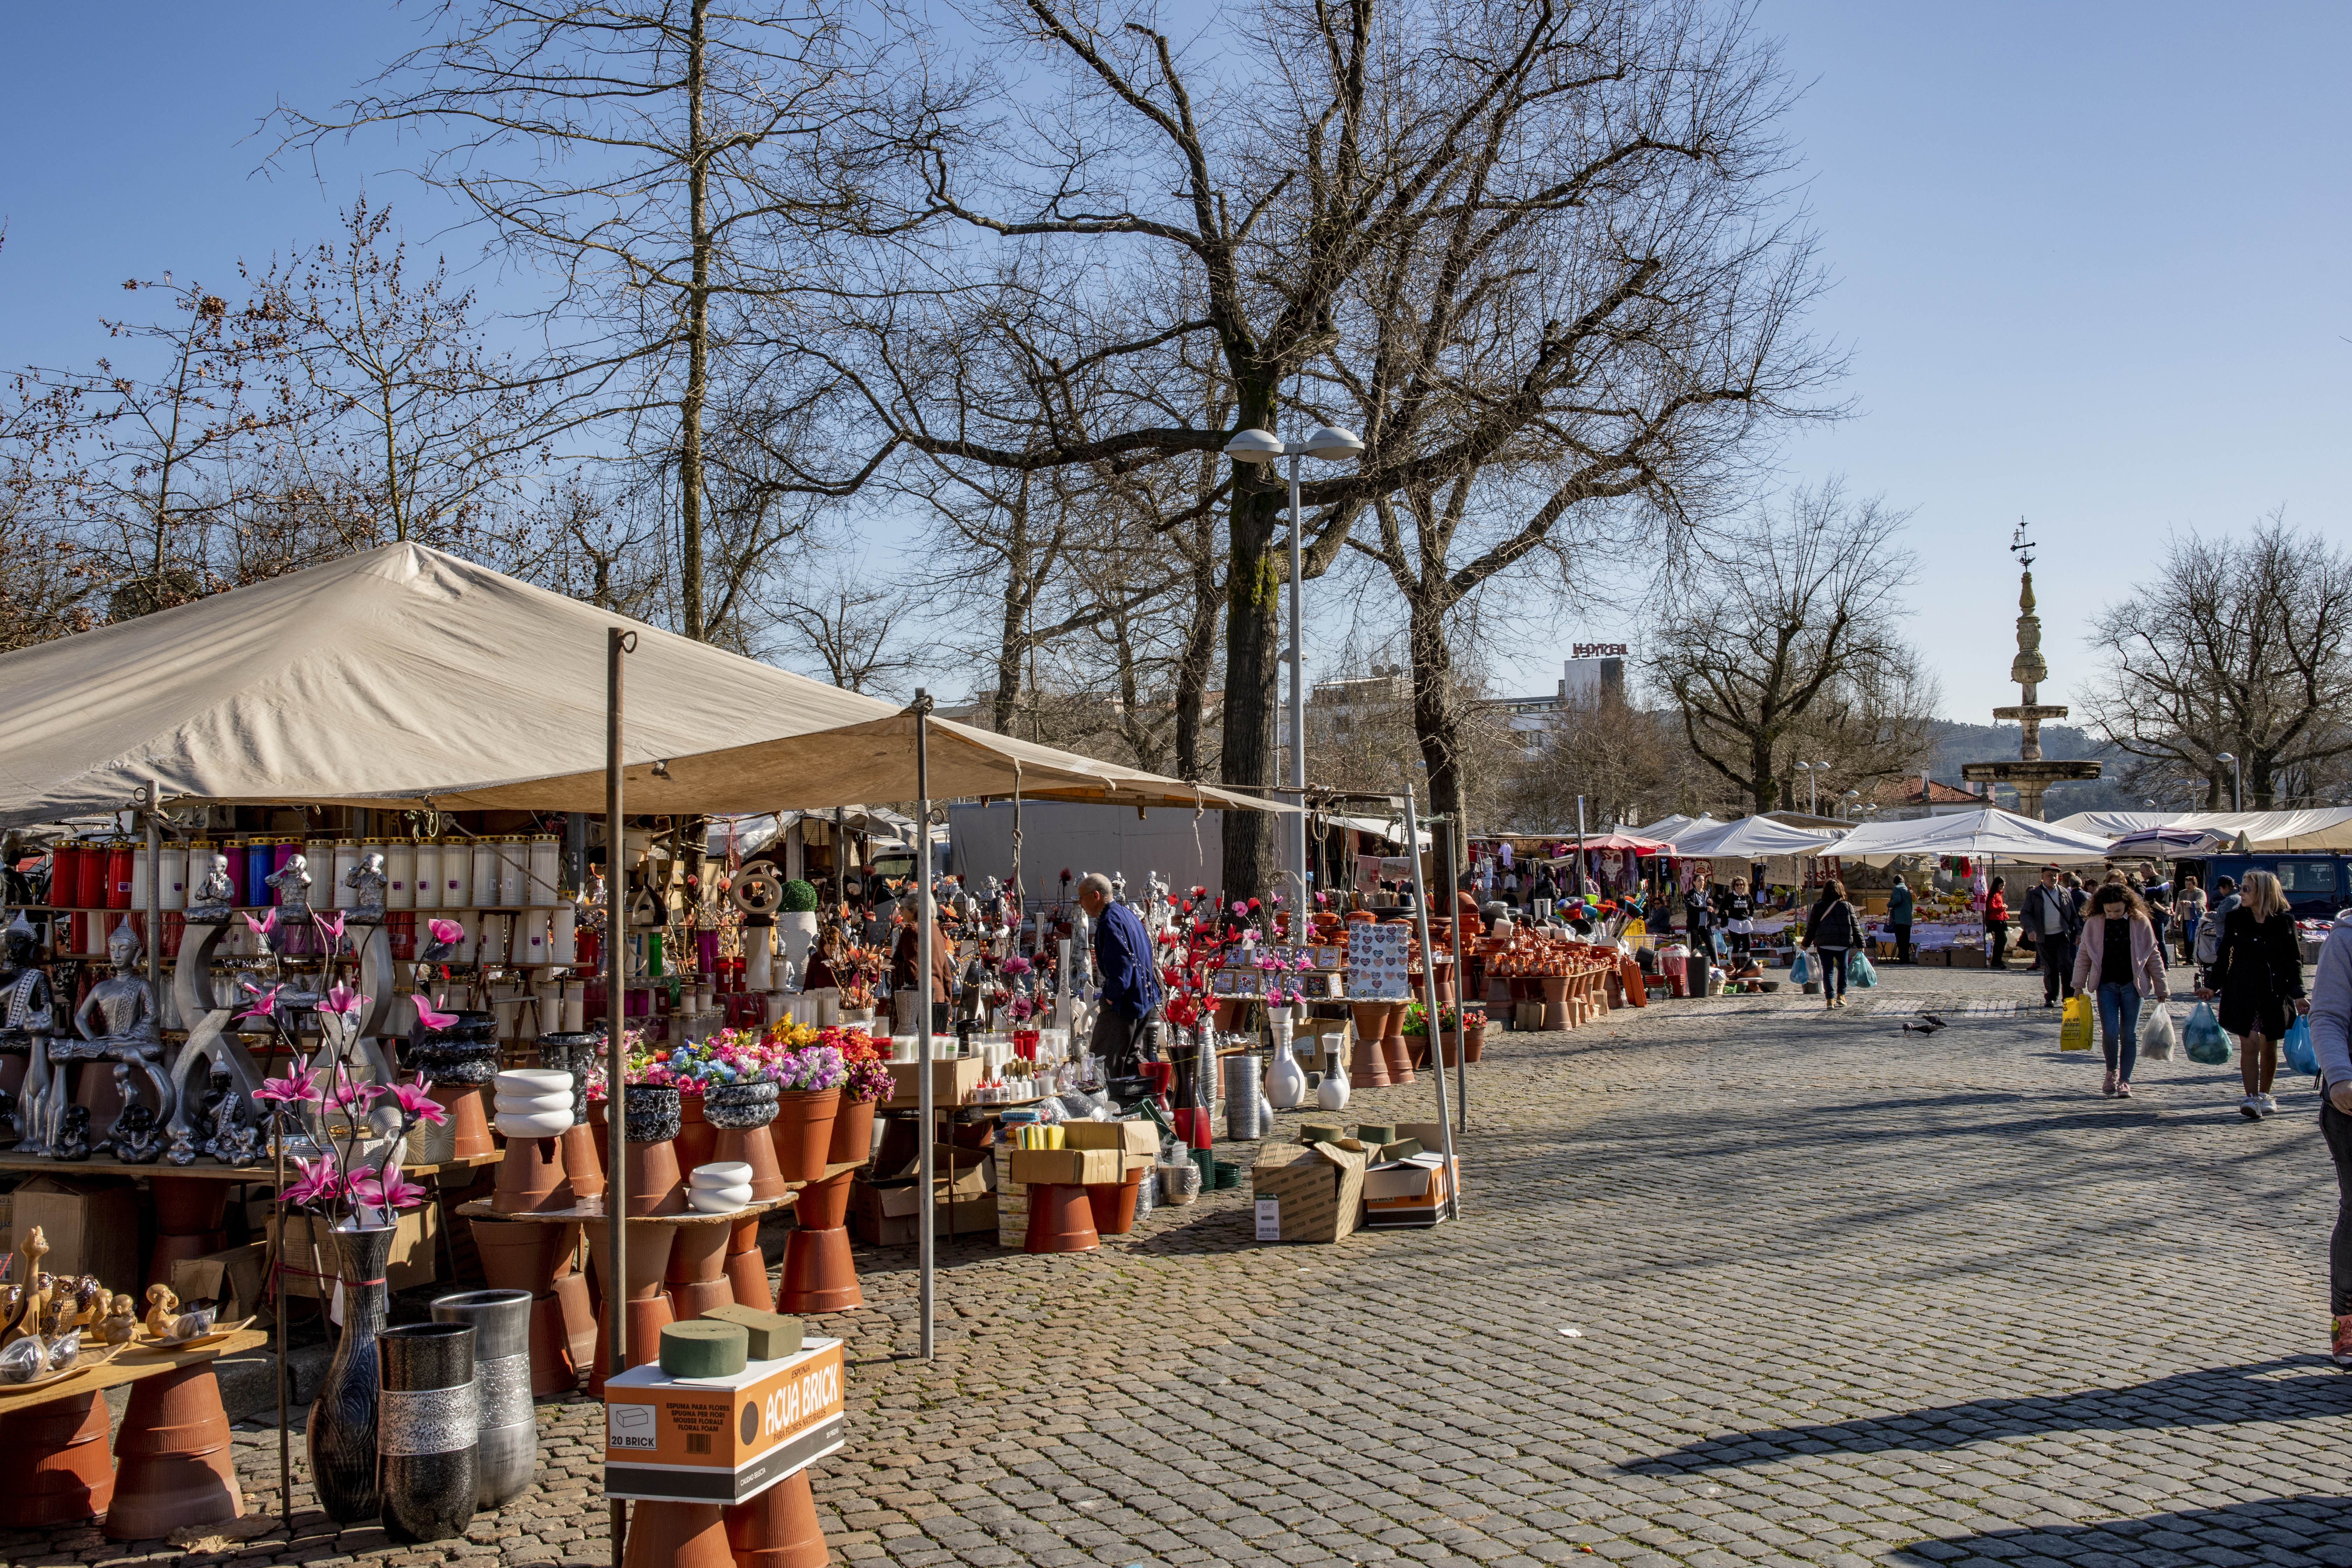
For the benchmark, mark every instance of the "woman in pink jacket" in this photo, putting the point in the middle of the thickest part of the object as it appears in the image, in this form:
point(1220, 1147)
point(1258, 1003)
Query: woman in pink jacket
point(2118, 962)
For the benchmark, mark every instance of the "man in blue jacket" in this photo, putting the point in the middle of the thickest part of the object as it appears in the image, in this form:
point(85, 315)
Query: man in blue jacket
point(1131, 981)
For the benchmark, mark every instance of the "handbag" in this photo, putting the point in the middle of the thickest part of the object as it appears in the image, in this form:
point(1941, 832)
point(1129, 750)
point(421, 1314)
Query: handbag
point(2157, 1035)
point(2295, 1050)
point(2074, 1024)
point(2202, 1038)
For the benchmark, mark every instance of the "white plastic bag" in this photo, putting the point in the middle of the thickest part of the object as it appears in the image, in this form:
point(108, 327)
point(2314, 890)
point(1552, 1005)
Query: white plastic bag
point(2156, 1034)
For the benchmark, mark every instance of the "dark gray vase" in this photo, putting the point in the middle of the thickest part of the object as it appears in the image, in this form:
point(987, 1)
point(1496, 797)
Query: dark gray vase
point(507, 1459)
point(651, 1114)
point(739, 1107)
point(461, 1052)
point(341, 1436)
point(574, 1054)
point(428, 1421)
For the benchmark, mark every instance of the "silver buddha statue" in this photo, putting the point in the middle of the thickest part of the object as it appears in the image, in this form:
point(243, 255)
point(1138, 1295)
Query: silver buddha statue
point(367, 879)
point(293, 882)
point(117, 1024)
point(215, 897)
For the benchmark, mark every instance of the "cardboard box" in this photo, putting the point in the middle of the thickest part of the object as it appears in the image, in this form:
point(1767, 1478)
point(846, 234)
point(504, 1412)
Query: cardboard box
point(92, 1223)
point(233, 1278)
point(1407, 1193)
point(721, 1440)
point(415, 1243)
point(964, 1217)
point(1318, 1196)
point(1126, 1137)
point(1067, 1167)
point(952, 1083)
point(955, 1173)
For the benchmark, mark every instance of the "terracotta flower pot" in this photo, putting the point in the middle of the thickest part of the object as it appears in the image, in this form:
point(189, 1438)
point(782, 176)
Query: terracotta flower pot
point(822, 1205)
point(1369, 1067)
point(853, 1133)
point(747, 1266)
point(531, 1178)
point(802, 1131)
point(1555, 1000)
point(63, 1472)
point(1393, 1043)
point(1474, 1042)
point(696, 1136)
point(583, 1158)
point(640, 1297)
point(469, 1121)
point(754, 1147)
point(676, 1535)
point(1061, 1219)
point(819, 1273)
point(696, 1275)
point(1113, 1203)
point(656, 1185)
point(575, 1301)
point(521, 1255)
point(779, 1528)
point(171, 1458)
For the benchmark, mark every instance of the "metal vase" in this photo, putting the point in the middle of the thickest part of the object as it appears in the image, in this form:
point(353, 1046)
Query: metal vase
point(508, 1450)
point(340, 1437)
point(428, 1426)
point(1242, 1101)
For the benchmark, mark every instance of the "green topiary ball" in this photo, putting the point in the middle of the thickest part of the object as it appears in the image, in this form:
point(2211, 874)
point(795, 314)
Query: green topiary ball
point(800, 897)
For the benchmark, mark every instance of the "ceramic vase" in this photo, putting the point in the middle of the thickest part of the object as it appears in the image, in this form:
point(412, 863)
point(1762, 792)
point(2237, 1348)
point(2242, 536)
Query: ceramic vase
point(655, 1183)
point(802, 1131)
point(742, 1112)
point(853, 1133)
point(342, 1433)
point(429, 1424)
point(1285, 1080)
point(507, 1450)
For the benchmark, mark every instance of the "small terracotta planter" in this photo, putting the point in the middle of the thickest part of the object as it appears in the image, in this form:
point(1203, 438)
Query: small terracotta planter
point(696, 1136)
point(521, 1255)
point(576, 1300)
point(676, 1535)
point(819, 1273)
point(60, 1470)
point(853, 1133)
point(747, 1266)
point(1393, 1043)
point(802, 1131)
point(1474, 1043)
point(583, 1158)
point(778, 1529)
point(1113, 1203)
point(1061, 1219)
point(1369, 1067)
point(171, 1458)
point(553, 1368)
point(470, 1120)
point(1555, 1000)
point(655, 1184)
point(754, 1147)
point(696, 1275)
point(531, 1178)
point(823, 1206)
point(641, 1297)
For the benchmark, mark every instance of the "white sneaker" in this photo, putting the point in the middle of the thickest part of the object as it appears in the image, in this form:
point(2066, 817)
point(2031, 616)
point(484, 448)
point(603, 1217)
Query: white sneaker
point(2250, 1108)
point(2270, 1105)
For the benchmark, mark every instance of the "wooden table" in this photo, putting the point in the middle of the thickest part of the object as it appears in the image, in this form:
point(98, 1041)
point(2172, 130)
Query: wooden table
point(212, 1170)
point(173, 1448)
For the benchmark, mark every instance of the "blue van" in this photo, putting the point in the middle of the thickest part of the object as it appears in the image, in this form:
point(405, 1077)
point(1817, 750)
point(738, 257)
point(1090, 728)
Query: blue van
point(2317, 885)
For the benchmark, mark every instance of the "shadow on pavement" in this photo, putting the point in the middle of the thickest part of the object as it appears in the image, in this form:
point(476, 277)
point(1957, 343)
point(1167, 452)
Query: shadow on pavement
point(2211, 1396)
point(2307, 1529)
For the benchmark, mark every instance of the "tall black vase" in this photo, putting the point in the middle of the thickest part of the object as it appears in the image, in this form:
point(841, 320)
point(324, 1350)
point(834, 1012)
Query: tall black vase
point(426, 1429)
point(342, 1433)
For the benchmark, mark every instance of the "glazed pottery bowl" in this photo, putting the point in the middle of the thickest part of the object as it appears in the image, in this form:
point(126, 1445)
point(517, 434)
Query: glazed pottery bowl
point(540, 1125)
point(718, 1200)
point(720, 1174)
point(532, 1104)
point(534, 1080)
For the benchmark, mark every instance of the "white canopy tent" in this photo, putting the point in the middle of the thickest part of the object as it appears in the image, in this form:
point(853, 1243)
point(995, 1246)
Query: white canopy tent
point(1749, 838)
point(1670, 828)
point(2313, 830)
point(1990, 833)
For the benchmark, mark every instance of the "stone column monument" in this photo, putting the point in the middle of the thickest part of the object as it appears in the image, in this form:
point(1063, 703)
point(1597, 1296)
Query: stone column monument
point(2030, 775)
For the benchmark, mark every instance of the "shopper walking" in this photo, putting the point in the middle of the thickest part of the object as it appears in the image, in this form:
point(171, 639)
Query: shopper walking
point(2159, 912)
point(2331, 1041)
point(1130, 986)
point(2258, 970)
point(1898, 918)
point(2188, 908)
point(1738, 912)
point(2051, 921)
point(2118, 962)
point(906, 956)
point(1834, 930)
point(1997, 921)
point(2208, 949)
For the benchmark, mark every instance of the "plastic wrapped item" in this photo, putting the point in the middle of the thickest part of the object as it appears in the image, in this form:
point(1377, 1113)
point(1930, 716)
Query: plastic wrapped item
point(1180, 1184)
point(65, 1350)
point(24, 1360)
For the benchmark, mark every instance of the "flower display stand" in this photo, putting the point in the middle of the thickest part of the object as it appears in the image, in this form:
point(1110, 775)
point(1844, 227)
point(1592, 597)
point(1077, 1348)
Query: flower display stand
point(778, 1529)
point(820, 1272)
point(67, 1473)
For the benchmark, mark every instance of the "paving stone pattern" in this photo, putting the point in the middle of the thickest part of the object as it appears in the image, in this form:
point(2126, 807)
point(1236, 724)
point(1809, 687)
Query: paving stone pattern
point(1837, 1294)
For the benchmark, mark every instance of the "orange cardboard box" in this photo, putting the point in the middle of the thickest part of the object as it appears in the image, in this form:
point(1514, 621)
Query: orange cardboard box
point(721, 1440)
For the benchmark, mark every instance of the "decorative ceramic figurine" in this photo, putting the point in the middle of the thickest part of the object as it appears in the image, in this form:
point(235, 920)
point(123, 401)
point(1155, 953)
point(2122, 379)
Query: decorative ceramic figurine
point(163, 1310)
point(368, 880)
point(72, 1142)
point(121, 1325)
point(27, 1019)
point(137, 1140)
point(293, 882)
point(89, 1299)
point(235, 1139)
point(214, 897)
point(117, 1024)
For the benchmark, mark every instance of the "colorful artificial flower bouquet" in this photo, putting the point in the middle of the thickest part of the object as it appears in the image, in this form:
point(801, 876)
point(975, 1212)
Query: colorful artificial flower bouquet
point(339, 1182)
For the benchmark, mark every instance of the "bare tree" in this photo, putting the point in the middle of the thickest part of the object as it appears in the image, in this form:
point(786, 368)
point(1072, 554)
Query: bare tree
point(1788, 631)
point(2242, 647)
point(850, 628)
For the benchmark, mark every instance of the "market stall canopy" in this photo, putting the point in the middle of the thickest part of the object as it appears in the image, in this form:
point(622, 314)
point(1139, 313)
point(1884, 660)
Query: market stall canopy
point(403, 677)
point(1990, 833)
point(1667, 827)
point(1750, 838)
point(1389, 827)
point(2169, 843)
point(2310, 831)
point(1638, 843)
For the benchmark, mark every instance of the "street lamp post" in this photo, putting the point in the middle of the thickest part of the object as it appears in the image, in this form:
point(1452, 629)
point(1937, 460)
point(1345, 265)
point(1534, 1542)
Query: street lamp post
point(1255, 445)
point(2237, 781)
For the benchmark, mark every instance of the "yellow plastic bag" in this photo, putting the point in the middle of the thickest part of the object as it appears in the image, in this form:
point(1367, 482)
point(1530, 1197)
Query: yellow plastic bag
point(2074, 1029)
point(1633, 928)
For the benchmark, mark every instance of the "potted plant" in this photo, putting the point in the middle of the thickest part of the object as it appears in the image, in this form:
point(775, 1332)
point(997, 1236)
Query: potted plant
point(868, 1083)
point(808, 1075)
point(797, 922)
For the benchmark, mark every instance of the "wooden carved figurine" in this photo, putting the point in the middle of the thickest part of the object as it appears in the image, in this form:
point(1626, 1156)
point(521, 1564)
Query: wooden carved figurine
point(121, 1322)
point(163, 1310)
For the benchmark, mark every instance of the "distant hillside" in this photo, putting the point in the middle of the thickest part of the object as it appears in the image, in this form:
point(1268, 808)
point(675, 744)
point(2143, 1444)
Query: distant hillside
point(1956, 744)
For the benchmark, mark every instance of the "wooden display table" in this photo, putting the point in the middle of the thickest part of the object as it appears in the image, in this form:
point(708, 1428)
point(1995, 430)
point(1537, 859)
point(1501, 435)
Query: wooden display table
point(173, 1448)
point(206, 1169)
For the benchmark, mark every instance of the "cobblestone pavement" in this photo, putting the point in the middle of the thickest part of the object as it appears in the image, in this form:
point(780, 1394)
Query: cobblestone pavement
point(1737, 1284)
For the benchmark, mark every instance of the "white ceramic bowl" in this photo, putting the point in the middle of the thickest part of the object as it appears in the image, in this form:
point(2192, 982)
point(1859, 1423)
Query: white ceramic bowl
point(533, 1081)
point(720, 1174)
point(541, 1124)
point(534, 1104)
point(718, 1200)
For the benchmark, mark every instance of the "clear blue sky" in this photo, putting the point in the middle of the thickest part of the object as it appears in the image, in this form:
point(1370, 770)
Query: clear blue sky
point(2090, 260)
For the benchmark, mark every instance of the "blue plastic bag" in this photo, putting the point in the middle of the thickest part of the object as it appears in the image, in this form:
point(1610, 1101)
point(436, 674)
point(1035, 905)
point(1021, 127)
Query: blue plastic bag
point(2295, 1050)
point(1800, 968)
point(1859, 970)
point(2202, 1038)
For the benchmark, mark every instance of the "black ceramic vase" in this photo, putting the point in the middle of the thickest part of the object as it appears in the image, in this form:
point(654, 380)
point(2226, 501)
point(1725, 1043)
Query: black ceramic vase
point(574, 1054)
point(738, 1107)
point(428, 1423)
point(507, 1457)
point(464, 1051)
point(650, 1113)
point(342, 1432)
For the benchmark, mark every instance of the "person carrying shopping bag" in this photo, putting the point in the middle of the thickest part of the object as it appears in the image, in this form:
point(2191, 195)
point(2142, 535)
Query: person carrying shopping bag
point(2118, 961)
point(1834, 930)
point(2331, 1042)
point(2258, 970)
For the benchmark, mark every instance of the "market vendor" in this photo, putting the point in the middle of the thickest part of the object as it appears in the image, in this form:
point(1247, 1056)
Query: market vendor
point(905, 956)
point(1131, 989)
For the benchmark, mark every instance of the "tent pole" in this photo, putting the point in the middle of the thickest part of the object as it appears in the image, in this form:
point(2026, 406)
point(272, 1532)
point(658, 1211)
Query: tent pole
point(926, 1244)
point(616, 1054)
point(1461, 977)
point(1429, 994)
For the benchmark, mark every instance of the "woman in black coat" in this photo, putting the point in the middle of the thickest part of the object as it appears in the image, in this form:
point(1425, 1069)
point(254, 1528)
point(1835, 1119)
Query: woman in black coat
point(2259, 973)
point(1834, 930)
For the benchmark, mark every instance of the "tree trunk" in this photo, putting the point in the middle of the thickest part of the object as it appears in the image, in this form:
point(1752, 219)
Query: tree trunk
point(1252, 619)
point(1010, 641)
point(2261, 782)
point(698, 339)
point(1192, 667)
point(1435, 725)
point(1763, 787)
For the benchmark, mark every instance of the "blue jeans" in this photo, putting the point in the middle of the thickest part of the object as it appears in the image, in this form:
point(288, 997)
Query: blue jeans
point(1833, 962)
point(2119, 1026)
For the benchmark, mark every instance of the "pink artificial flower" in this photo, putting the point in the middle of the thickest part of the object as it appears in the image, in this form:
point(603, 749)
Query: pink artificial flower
point(352, 1099)
point(1240, 908)
point(265, 1003)
point(431, 1019)
point(318, 1183)
point(416, 1104)
point(300, 1086)
point(332, 925)
point(446, 930)
point(391, 1189)
point(264, 925)
point(342, 999)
